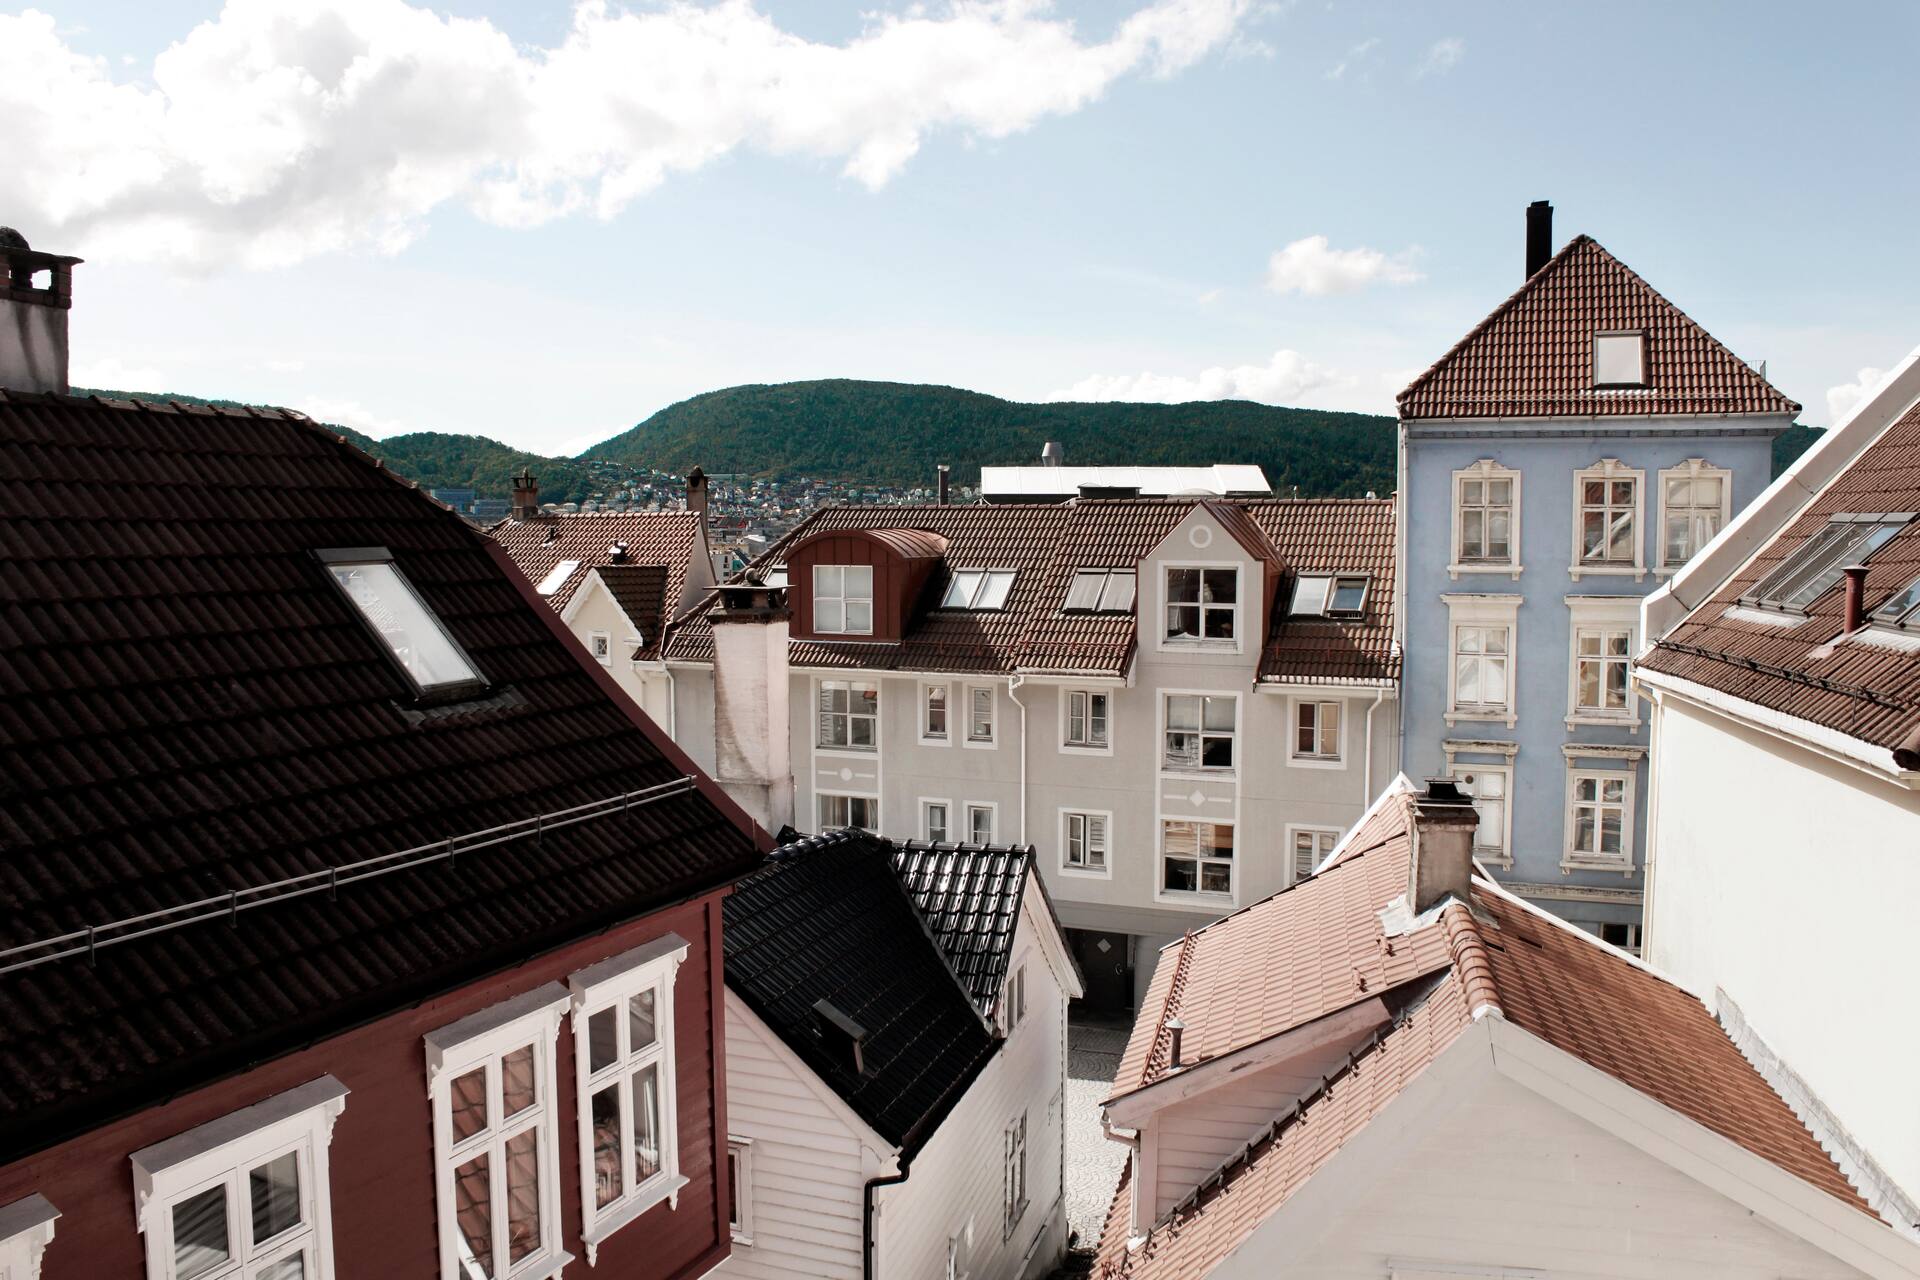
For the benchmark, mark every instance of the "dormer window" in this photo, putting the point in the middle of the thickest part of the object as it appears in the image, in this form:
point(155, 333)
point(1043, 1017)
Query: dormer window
point(1100, 591)
point(978, 589)
point(843, 599)
point(1810, 571)
point(1620, 359)
point(1202, 604)
point(557, 578)
point(429, 657)
point(1330, 595)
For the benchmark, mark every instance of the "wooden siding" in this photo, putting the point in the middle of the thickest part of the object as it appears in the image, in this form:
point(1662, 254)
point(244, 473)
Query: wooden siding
point(384, 1215)
point(897, 582)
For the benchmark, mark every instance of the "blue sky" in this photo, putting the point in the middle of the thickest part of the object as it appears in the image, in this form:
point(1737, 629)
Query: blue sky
point(1030, 200)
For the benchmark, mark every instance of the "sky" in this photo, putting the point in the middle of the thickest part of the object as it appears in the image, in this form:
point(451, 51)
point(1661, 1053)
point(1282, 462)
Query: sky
point(542, 221)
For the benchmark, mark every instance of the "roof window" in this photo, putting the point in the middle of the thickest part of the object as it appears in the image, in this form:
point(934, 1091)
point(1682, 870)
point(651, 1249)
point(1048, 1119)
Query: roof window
point(1903, 610)
point(1620, 359)
point(1101, 591)
point(394, 611)
point(978, 589)
point(1816, 565)
point(1329, 595)
point(557, 577)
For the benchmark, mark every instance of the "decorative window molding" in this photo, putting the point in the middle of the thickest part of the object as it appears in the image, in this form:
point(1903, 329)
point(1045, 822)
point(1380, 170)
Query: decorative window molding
point(740, 1190)
point(1599, 820)
point(1308, 847)
point(843, 599)
point(600, 645)
point(409, 631)
point(1696, 501)
point(26, 1229)
point(1491, 786)
point(492, 1082)
point(1084, 836)
point(1196, 861)
point(936, 715)
point(847, 715)
point(1013, 1201)
point(1086, 722)
point(936, 820)
point(981, 821)
point(839, 811)
point(623, 1067)
point(983, 717)
point(1483, 634)
point(1200, 606)
point(1486, 520)
point(245, 1196)
point(1316, 733)
point(1609, 500)
point(1602, 636)
point(1199, 731)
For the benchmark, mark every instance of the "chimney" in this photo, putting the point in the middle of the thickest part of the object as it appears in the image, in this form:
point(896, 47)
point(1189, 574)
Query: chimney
point(526, 495)
point(1856, 615)
point(697, 492)
point(1539, 235)
point(36, 293)
point(946, 474)
point(1052, 455)
point(751, 716)
point(1175, 1029)
point(1443, 825)
point(617, 553)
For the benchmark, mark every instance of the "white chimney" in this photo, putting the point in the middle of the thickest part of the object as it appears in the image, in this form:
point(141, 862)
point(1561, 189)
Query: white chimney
point(36, 294)
point(751, 716)
point(1444, 820)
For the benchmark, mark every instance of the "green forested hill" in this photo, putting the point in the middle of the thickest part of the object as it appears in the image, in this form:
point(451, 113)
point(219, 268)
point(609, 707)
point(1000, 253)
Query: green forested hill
point(895, 433)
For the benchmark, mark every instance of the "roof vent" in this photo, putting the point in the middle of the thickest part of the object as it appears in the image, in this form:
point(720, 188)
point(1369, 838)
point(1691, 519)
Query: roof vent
point(1053, 454)
point(843, 1038)
point(617, 553)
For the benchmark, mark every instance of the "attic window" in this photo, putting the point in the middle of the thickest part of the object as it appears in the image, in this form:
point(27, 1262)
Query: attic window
point(1100, 591)
point(978, 589)
point(1620, 359)
point(1331, 595)
point(1816, 565)
point(1903, 610)
point(390, 607)
point(558, 577)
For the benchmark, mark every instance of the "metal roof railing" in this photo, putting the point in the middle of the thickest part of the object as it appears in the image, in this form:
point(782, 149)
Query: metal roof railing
point(328, 880)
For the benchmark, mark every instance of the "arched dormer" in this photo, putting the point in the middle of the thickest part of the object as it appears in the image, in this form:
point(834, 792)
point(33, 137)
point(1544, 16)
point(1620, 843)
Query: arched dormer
point(859, 585)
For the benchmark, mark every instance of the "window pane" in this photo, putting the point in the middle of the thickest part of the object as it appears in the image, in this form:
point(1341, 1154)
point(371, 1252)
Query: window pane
point(1583, 829)
point(469, 1097)
point(473, 1211)
point(829, 615)
point(1219, 714)
point(640, 1021)
point(1183, 620)
point(859, 581)
point(1310, 595)
point(829, 580)
point(1499, 535)
point(993, 594)
point(1679, 491)
point(1471, 491)
point(860, 616)
point(646, 1122)
point(1216, 753)
point(1348, 595)
point(410, 631)
point(1215, 878)
point(960, 591)
point(1180, 876)
point(603, 1039)
point(606, 1146)
point(1183, 713)
point(523, 1195)
point(1473, 534)
point(274, 1189)
point(200, 1241)
point(1183, 585)
point(1118, 595)
point(1610, 831)
point(1589, 684)
point(1084, 593)
point(1500, 492)
point(1221, 586)
point(291, 1267)
point(516, 1081)
point(1466, 678)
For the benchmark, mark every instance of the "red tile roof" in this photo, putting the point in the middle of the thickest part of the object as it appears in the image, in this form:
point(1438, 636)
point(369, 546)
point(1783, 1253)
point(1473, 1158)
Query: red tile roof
point(1533, 357)
point(1585, 998)
point(1866, 690)
point(666, 538)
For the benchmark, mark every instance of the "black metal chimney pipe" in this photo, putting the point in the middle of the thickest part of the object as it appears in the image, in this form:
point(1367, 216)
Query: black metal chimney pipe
point(1539, 235)
point(945, 472)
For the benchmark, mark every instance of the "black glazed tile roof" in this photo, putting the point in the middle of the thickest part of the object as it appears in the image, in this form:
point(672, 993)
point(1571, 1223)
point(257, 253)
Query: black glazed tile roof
point(969, 896)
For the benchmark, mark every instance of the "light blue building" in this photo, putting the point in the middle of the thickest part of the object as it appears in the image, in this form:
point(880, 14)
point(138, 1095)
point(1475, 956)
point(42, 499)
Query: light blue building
point(1559, 463)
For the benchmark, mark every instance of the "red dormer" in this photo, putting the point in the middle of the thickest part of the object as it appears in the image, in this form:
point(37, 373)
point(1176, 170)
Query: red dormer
point(859, 585)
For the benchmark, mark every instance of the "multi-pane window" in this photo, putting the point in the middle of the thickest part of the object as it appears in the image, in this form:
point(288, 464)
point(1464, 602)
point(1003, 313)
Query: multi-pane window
point(1202, 603)
point(1903, 610)
point(623, 1061)
point(838, 812)
point(1624, 936)
point(843, 599)
point(849, 715)
point(1013, 997)
point(1310, 848)
point(1196, 857)
point(1480, 668)
point(1602, 656)
point(1488, 786)
point(1599, 818)
point(980, 713)
point(1014, 1199)
point(1316, 730)
point(244, 1197)
point(1086, 719)
point(1331, 595)
point(1199, 731)
point(1608, 505)
point(1483, 509)
point(1812, 569)
point(934, 823)
point(412, 633)
point(933, 713)
point(980, 823)
point(1086, 841)
point(978, 589)
point(1100, 591)
point(1693, 506)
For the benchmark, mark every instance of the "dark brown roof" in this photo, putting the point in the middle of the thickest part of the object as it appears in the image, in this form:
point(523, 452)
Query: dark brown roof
point(1865, 690)
point(189, 707)
point(1047, 543)
point(1533, 357)
point(641, 592)
point(667, 538)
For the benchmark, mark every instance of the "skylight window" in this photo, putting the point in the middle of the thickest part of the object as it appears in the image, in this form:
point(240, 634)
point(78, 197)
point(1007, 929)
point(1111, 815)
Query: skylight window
point(1903, 610)
point(978, 589)
point(1101, 591)
point(1619, 360)
point(1332, 595)
point(1812, 569)
point(556, 579)
point(388, 604)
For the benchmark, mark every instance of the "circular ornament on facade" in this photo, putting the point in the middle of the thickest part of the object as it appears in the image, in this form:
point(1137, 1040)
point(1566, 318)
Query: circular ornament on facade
point(1196, 799)
point(1200, 536)
point(846, 775)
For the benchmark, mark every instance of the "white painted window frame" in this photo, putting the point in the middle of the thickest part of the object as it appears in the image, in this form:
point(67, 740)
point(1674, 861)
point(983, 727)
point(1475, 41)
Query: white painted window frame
point(1201, 643)
point(1572, 859)
point(600, 645)
point(26, 1229)
point(823, 685)
point(821, 818)
point(1484, 469)
point(740, 1155)
point(1608, 471)
point(1296, 759)
point(653, 966)
point(927, 737)
point(926, 825)
point(1197, 896)
point(223, 1152)
point(483, 1039)
point(1502, 856)
point(1297, 829)
point(992, 809)
point(1086, 871)
point(1602, 613)
point(1691, 469)
point(1013, 997)
point(992, 740)
point(1639, 337)
point(1013, 1192)
point(1488, 610)
point(1088, 748)
point(1200, 770)
point(844, 598)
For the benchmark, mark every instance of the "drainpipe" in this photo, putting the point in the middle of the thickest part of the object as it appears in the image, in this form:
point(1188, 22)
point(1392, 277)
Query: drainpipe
point(673, 705)
point(1656, 711)
point(1366, 784)
point(1013, 683)
point(867, 1242)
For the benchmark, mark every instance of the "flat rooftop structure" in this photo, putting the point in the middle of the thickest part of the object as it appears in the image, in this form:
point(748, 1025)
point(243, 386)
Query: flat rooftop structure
point(1057, 484)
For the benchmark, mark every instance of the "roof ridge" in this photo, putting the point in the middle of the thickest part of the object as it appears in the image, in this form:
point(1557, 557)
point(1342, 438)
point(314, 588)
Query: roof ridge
point(1470, 960)
point(1162, 1037)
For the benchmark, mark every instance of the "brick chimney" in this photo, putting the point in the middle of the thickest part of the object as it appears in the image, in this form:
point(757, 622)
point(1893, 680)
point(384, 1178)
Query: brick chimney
point(1443, 824)
point(36, 293)
point(751, 716)
point(1539, 235)
point(526, 495)
point(697, 493)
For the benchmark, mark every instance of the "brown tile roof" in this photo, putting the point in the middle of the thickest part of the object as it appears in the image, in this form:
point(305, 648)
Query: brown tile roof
point(641, 592)
point(666, 538)
point(190, 707)
point(1533, 357)
point(1538, 974)
point(1867, 691)
point(1046, 543)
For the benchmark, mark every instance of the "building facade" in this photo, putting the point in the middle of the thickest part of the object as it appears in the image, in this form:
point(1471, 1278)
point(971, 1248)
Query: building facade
point(1561, 461)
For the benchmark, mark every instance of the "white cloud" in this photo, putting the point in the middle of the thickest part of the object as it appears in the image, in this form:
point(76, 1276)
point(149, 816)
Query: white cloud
point(1282, 380)
point(350, 413)
point(1842, 399)
point(1311, 266)
point(1355, 55)
point(1442, 57)
point(276, 132)
point(110, 374)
